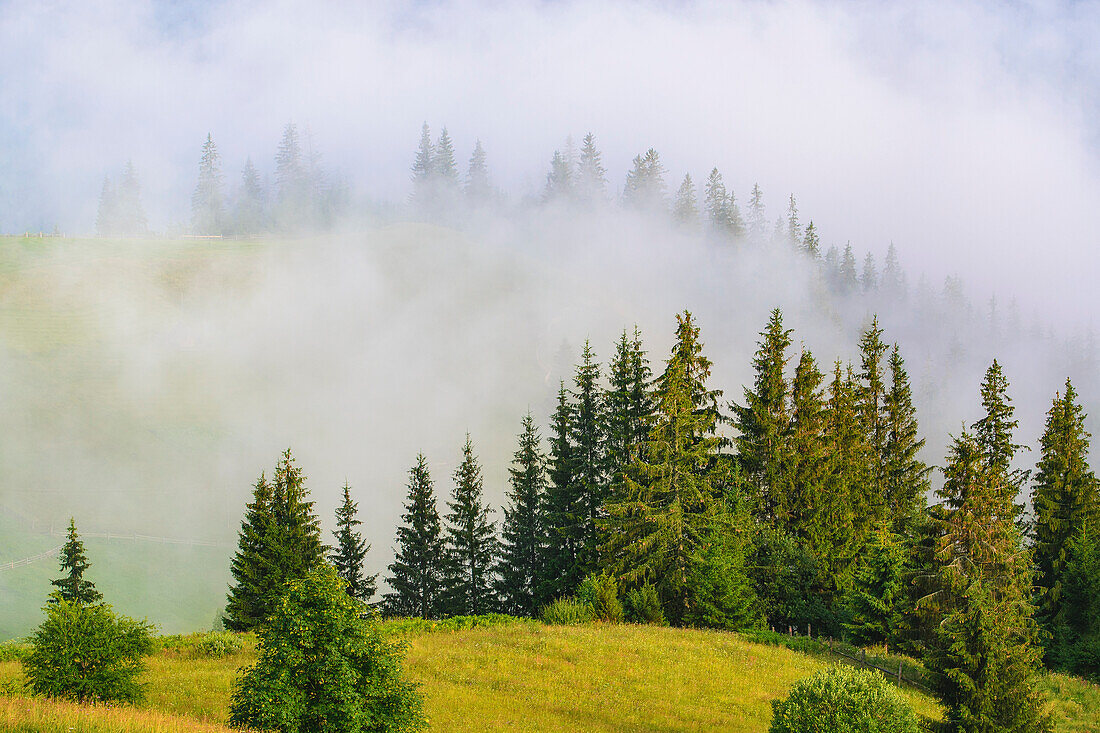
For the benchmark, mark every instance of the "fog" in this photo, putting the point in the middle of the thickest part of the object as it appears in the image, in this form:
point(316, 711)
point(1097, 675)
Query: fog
point(146, 384)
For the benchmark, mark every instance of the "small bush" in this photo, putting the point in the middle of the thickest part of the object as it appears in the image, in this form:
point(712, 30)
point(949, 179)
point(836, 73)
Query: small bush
point(843, 700)
point(87, 654)
point(567, 612)
point(643, 606)
point(601, 594)
point(217, 644)
point(14, 651)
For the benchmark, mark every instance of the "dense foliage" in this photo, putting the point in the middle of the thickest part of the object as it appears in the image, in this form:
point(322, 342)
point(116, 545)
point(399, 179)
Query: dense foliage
point(843, 700)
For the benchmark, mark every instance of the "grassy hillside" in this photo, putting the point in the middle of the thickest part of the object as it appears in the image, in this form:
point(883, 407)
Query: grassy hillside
point(527, 677)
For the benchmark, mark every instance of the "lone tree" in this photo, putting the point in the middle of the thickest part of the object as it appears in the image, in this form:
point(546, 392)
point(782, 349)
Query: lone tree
point(471, 545)
point(72, 586)
point(416, 572)
point(207, 202)
point(280, 541)
point(323, 667)
point(351, 550)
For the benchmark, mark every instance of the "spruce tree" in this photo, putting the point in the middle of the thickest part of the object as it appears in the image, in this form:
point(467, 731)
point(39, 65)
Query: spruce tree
point(878, 599)
point(296, 537)
point(423, 169)
point(757, 218)
point(479, 190)
point(470, 543)
point(685, 210)
point(985, 663)
point(628, 404)
point(1066, 498)
point(207, 202)
point(72, 586)
point(905, 474)
point(292, 182)
point(763, 421)
point(869, 279)
point(591, 176)
point(808, 468)
point(563, 571)
point(416, 573)
point(106, 220)
point(351, 551)
point(671, 518)
point(590, 470)
point(131, 220)
point(994, 434)
point(846, 276)
point(811, 242)
point(872, 415)
point(249, 214)
point(893, 279)
point(252, 567)
point(716, 206)
point(443, 161)
point(794, 229)
point(559, 181)
point(645, 183)
point(523, 533)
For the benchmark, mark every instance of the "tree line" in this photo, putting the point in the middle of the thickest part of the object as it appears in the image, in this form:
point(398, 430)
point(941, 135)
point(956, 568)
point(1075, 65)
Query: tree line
point(801, 504)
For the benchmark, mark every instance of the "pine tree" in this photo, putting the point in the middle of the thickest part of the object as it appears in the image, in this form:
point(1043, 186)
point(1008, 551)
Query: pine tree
point(985, 664)
point(847, 273)
point(1066, 498)
point(807, 472)
point(763, 421)
point(423, 170)
point(296, 536)
point(351, 551)
point(479, 190)
point(716, 205)
point(757, 218)
point(252, 568)
point(523, 549)
point(645, 183)
point(563, 571)
point(591, 176)
point(106, 220)
point(292, 184)
point(671, 510)
point(131, 221)
point(470, 543)
point(559, 181)
point(869, 279)
point(416, 573)
point(993, 433)
point(443, 163)
point(685, 210)
point(905, 477)
point(893, 279)
point(250, 201)
point(207, 202)
point(72, 586)
point(589, 472)
point(811, 243)
point(794, 229)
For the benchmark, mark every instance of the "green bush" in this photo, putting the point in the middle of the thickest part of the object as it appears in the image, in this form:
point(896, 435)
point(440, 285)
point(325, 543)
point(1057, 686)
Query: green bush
point(843, 700)
point(567, 612)
point(324, 667)
point(87, 654)
point(601, 594)
point(217, 644)
point(643, 606)
point(13, 651)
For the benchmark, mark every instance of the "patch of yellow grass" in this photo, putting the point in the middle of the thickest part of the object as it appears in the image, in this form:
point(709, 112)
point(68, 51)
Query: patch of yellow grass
point(32, 715)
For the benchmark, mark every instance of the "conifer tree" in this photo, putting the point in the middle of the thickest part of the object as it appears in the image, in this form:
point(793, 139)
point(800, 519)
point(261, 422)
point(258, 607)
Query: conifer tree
point(564, 512)
point(250, 201)
point(984, 666)
point(351, 551)
point(106, 220)
point(843, 521)
point(794, 229)
point(252, 567)
point(878, 598)
point(671, 511)
point(811, 243)
point(628, 404)
point(757, 218)
point(847, 281)
point(893, 279)
point(296, 537)
point(993, 434)
point(869, 279)
point(443, 161)
point(523, 551)
point(685, 210)
point(872, 414)
point(905, 477)
point(131, 220)
point(72, 586)
point(763, 421)
point(478, 187)
point(1066, 498)
point(207, 202)
point(470, 542)
point(716, 205)
point(416, 573)
point(645, 183)
point(591, 176)
point(589, 472)
point(423, 169)
point(808, 470)
point(293, 194)
point(559, 181)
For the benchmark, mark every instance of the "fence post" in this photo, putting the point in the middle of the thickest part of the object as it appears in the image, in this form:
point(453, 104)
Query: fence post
point(809, 630)
point(863, 657)
point(899, 673)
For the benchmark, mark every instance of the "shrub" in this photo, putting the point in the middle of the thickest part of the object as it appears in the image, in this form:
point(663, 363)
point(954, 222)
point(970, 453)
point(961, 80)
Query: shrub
point(843, 700)
point(87, 654)
point(643, 606)
point(217, 644)
point(567, 612)
point(13, 651)
point(323, 666)
point(601, 593)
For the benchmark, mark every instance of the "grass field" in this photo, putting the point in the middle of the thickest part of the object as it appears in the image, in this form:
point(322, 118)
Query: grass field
point(525, 677)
